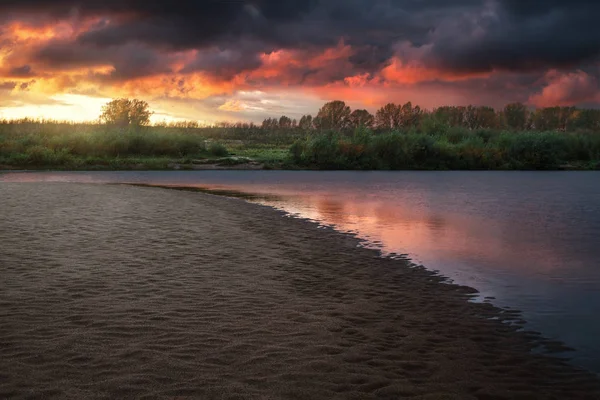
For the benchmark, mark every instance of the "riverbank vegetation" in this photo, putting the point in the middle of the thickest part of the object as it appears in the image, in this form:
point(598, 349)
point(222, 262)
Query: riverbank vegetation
point(465, 138)
point(395, 137)
point(456, 149)
point(31, 144)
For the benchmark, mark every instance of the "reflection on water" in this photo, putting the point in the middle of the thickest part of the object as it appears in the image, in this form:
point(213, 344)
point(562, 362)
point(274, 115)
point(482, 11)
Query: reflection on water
point(528, 239)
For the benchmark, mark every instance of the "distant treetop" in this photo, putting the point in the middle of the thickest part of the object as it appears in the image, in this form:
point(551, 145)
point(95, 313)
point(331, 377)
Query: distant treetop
point(126, 112)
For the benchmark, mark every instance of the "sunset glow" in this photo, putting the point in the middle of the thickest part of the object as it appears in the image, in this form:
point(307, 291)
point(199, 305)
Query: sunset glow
point(65, 59)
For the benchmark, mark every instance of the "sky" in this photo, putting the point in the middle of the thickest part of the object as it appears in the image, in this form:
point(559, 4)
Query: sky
point(245, 60)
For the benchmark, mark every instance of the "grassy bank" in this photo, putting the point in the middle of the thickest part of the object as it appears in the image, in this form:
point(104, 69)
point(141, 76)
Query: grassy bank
point(454, 149)
point(30, 144)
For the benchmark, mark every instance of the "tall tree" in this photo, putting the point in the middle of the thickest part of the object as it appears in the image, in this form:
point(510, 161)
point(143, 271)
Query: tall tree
point(306, 122)
point(586, 119)
point(333, 115)
point(487, 117)
point(515, 115)
point(285, 122)
point(566, 116)
point(361, 118)
point(450, 115)
point(124, 112)
point(409, 115)
point(388, 117)
point(479, 117)
point(270, 123)
point(544, 119)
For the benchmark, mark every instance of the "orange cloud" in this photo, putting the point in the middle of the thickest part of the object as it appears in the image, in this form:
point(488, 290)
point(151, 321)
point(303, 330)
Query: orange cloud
point(372, 93)
point(194, 86)
point(301, 67)
point(20, 39)
point(358, 80)
point(567, 89)
point(21, 32)
point(275, 64)
point(414, 72)
point(232, 105)
point(331, 55)
point(22, 36)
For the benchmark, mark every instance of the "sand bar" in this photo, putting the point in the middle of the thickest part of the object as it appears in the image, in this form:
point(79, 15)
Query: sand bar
point(130, 292)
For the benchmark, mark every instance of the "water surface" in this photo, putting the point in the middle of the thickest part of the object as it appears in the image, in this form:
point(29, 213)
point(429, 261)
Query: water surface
point(531, 240)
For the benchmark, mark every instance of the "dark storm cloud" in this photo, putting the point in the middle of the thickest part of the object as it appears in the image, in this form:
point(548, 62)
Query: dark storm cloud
point(8, 85)
point(521, 36)
point(520, 8)
point(23, 71)
point(177, 24)
point(225, 63)
point(128, 61)
point(461, 36)
point(25, 85)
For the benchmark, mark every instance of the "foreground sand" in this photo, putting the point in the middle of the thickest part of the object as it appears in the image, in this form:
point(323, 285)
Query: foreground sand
point(130, 292)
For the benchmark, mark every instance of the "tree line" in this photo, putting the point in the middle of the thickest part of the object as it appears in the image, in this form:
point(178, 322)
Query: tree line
point(336, 115)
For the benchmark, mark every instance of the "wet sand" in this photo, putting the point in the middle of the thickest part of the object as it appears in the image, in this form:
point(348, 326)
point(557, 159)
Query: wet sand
point(133, 292)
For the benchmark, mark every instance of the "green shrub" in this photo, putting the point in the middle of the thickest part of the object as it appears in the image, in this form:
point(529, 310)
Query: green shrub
point(323, 150)
point(534, 150)
point(217, 149)
point(42, 156)
point(297, 151)
point(430, 125)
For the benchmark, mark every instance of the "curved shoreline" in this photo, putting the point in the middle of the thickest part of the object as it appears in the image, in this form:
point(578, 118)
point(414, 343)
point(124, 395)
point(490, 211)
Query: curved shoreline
point(512, 316)
point(113, 291)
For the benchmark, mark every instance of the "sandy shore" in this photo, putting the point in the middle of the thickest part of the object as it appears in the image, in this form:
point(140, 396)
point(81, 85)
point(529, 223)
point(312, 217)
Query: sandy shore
point(132, 292)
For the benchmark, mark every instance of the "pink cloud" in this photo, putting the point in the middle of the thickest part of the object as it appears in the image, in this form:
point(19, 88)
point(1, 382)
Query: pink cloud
point(567, 89)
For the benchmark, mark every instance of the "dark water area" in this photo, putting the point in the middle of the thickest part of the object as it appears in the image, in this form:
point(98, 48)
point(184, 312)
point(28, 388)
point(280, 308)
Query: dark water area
point(530, 240)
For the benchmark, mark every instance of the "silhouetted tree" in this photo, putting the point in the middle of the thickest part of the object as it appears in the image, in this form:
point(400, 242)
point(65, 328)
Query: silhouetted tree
point(515, 115)
point(124, 112)
point(565, 118)
point(361, 118)
point(306, 122)
point(586, 119)
point(479, 117)
point(270, 123)
point(544, 119)
point(388, 117)
point(450, 115)
point(333, 115)
point(285, 122)
point(409, 116)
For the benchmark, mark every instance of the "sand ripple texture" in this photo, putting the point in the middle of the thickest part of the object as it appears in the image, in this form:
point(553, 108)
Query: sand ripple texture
point(110, 292)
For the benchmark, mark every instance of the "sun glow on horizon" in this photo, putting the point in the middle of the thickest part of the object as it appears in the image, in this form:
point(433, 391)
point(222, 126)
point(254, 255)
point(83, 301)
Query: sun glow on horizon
point(66, 107)
point(75, 108)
